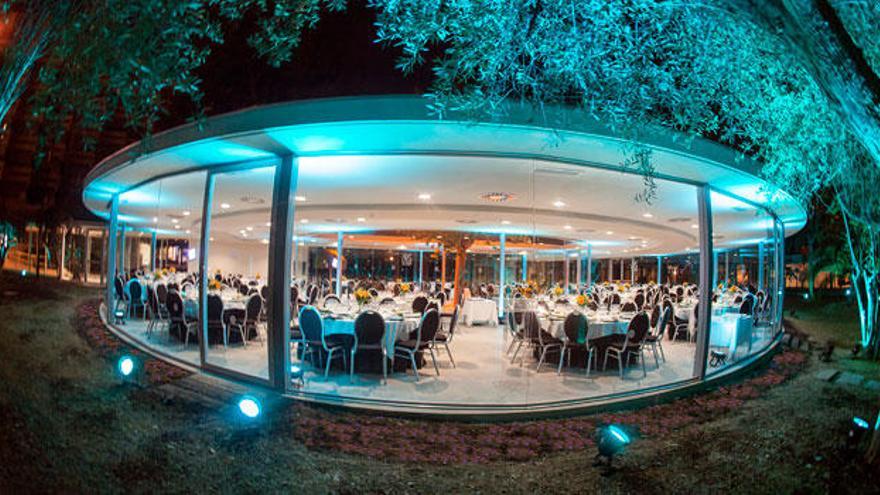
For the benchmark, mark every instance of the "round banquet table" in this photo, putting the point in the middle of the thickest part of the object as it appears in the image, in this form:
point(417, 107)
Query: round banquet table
point(602, 326)
point(479, 310)
point(396, 329)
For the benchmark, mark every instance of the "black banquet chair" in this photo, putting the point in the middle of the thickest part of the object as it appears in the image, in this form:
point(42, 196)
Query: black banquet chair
point(445, 338)
point(424, 336)
point(369, 334)
point(314, 341)
point(632, 344)
point(575, 325)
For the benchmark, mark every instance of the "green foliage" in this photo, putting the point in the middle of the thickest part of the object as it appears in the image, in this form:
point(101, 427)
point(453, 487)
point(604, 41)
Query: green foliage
point(107, 56)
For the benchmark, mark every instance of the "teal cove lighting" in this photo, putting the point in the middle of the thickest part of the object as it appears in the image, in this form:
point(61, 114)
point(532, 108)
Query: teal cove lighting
point(860, 423)
point(249, 407)
point(125, 366)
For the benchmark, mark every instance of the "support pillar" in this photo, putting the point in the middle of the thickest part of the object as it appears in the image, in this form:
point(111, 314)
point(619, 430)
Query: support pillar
point(421, 271)
point(579, 271)
point(705, 309)
point(659, 270)
point(760, 283)
point(589, 265)
point(567, 268)
point(442, 267)
point(280, 237)
point(339, 237)
point(87, 265)
point(61, 255)
point(525, 267)
point(122, 250)
point(501, 274)
point(110, 296)
point(153, 252)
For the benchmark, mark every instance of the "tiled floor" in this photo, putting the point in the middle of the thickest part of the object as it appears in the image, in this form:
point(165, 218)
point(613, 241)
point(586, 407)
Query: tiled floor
point(483, 375)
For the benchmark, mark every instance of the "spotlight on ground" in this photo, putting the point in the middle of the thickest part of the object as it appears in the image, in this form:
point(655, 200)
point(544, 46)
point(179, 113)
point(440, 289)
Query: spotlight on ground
point(857, 430)
point(610, 440)
point(806, 296)
point(848, 292)
point(250, 407)
point(24, 273)
point(297, 374)
point(125, 366)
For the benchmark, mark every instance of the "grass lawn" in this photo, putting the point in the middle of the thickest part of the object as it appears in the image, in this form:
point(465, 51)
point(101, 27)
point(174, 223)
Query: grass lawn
point(66, 425)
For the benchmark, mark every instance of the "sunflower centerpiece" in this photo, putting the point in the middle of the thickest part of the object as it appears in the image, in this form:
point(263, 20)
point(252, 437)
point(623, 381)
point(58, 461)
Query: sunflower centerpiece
point(405, 288)
point(582, 300)
point(214, 285)
point(362, 296)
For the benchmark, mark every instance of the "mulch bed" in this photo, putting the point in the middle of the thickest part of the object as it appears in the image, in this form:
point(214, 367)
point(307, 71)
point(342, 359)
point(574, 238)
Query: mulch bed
point(458, 443)
point(88, 324)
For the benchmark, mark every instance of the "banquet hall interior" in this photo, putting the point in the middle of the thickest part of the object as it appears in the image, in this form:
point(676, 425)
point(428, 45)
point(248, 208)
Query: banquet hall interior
point(450, 279)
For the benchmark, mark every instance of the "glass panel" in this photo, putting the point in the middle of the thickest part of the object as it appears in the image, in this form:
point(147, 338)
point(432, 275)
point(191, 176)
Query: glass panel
point(238, 264)
point(389, 208)
point(743, 312)
point(170, 210)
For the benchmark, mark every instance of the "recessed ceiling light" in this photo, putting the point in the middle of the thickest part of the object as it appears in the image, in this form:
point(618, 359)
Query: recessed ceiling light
point(439, 237)
point(361, 219)
point(567, 227)
point(609, 232)
point(424, 196)
point(188, 231)
point(523, 253)
point(249, 228)
point(299, 198)
point(155, 219)
point(225, 206)
point(177, 226)
point(186, 213)
point(304, 220)
point(647, 215)
point(268, 224)
point(264, 241)
point(505, 222)
point(694, 226)
point(211, 239)
point(559, 204)
point(174, 220)
point(401, 247)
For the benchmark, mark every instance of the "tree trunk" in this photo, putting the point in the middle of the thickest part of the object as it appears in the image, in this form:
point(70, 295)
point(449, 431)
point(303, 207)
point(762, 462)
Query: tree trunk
point(812, 29)
point(872, 456)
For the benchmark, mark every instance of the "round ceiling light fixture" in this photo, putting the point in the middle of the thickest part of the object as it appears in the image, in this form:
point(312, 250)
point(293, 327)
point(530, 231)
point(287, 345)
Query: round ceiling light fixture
point(498, 197)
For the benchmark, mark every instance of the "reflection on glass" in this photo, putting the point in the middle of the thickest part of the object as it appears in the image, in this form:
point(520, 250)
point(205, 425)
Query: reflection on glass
point(238, 254)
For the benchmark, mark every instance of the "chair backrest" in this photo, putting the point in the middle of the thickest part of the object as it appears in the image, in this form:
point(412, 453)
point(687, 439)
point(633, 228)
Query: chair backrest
point(387, 301)
point(120, 286)
point(639, 300)
point(215, 308)
point(161, 293)
point(174, 303)
point(575, 325)
point(655, 316)
point(511, 321)
point(134, 290)
point(396, 290)
point(428, 326)
point(747, 306)
point(453, 323)
point(331, 299)
point(374, 293)
point(313, 294)
point(419, 304)
point(664, 319)
point(441, 296)
point(432, 305)
point(253, 308)
point(531, 326)
point(638, 329)
point(264, 292)
point(369, 329)
point(311, 325)
point(628, 307)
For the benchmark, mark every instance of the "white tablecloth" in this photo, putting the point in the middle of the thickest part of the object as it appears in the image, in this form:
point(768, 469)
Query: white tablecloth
point(394, 330)
point(730, 331)
point(478, 310)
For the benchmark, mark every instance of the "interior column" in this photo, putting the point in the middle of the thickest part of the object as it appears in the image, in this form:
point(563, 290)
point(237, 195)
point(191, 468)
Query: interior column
point(760, 283)
point(565, 266)
point(525, 267)
point(501, 274)
point(339, 237)
point(153, 252)
point(110, 296)
point(589, 265)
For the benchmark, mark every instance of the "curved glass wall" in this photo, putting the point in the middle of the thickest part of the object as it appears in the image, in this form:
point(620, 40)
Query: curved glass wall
point(513, 247)
point(746, 290)
point(161, 224)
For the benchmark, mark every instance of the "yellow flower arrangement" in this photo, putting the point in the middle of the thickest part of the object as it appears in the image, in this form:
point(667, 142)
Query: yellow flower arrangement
point(582, 300)
point(214, 284)
point(157, 275)
point(173, 269)
point(258, 276)
point(362, 296)
point(405, 288)
point(557, 291)
point(732, 289)
point(626, 286)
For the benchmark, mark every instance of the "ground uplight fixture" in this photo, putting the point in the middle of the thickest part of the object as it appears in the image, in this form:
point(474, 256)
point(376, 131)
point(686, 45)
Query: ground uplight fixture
point(24, 273)
point(857, 430)
point(611, 440)
point(125, 366)
point(250, 407)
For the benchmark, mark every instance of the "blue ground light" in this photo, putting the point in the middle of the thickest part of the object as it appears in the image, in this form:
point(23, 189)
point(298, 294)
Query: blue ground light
point(861, 423)
point(125, 366)
point(249, 407)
